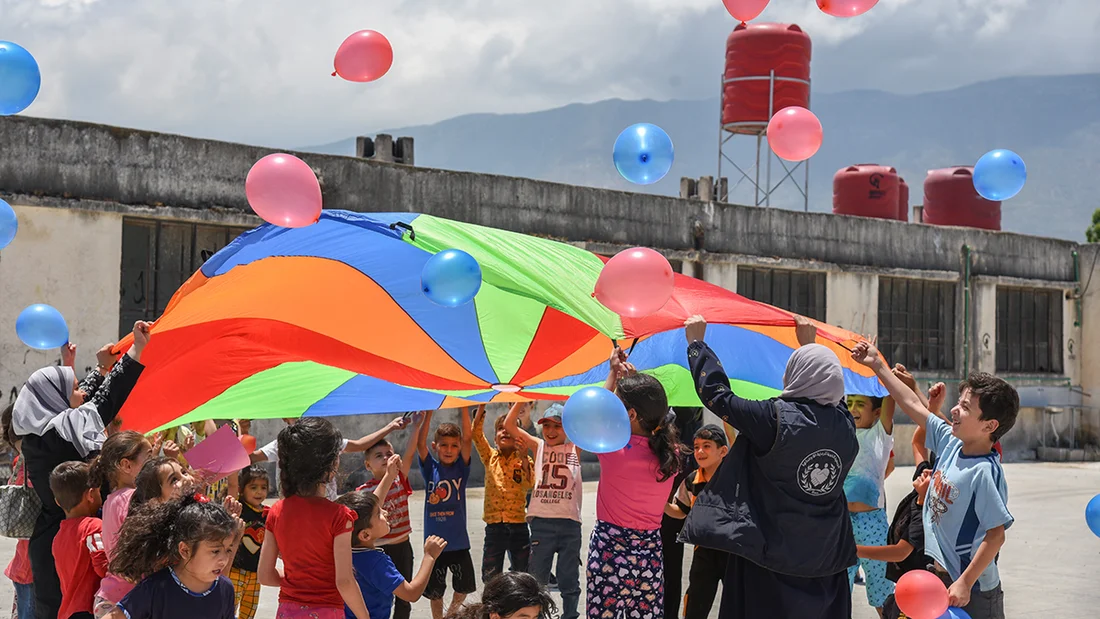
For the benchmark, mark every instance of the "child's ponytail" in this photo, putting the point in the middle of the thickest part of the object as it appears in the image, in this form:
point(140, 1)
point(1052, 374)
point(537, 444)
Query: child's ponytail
point(151, 535)
point(644, 395)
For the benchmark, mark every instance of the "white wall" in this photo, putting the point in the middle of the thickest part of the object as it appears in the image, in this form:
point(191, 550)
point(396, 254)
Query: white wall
point(851, 301)
point(984, 334)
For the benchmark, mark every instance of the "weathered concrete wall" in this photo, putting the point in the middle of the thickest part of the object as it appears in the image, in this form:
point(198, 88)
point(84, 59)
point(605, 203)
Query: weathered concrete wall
point(852, 301)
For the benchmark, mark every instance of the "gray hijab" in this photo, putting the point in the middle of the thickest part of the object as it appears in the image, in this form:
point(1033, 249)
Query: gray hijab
point(43, 405)
point(814, 373)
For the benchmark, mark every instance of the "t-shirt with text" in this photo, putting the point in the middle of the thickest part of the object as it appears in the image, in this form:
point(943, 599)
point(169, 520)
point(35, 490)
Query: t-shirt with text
point(445, 504)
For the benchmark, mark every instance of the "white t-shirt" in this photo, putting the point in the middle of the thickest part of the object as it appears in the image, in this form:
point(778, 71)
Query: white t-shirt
point(271, 450)
point(558, 491)
point(865, 482)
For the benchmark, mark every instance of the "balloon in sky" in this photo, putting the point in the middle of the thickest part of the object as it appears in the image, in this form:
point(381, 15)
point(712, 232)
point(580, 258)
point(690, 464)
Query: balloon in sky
point(363, 57)
point(921, 595)
point(636, 282)
point(745, 10)
point(846, 8)
point(999, 175)
point(643, 153)
point(794, 133)
point(19, 78)
point(1092, 515)
point(596, 420)
point(42, 327)
point(284, 191)
point(955, 613)
point(9, 224)
point(451, 278)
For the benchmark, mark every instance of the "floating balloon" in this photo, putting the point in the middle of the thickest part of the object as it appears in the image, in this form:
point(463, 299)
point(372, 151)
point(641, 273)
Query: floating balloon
point(846, 8)
point(363, 57)
point(955, 613)
point(284, 191)
point(596, 420)
point(921, 595)
point(249, 442)
point(745, 10)
point(635, 282)
point(794, 133)
point(1092, 515)
point(451, 278)
point(643, 153)
point(42, 327)
point(9, 224)
point(999, 175)
point(19, 78)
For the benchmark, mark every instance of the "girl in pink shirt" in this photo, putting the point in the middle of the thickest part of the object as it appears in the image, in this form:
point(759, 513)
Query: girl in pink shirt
point(634, 483)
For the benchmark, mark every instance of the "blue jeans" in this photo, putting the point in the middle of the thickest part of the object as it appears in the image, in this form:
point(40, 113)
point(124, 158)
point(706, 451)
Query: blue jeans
point(24, 601)
point(560, 536)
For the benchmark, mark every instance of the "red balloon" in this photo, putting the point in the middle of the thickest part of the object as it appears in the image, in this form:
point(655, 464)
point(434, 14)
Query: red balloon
point(249, 442)
point(921, 595)
point(636, 282)
point(283, 190)
point(846, 8)
point(363, 57)
point(745, 10)
point(794, 133)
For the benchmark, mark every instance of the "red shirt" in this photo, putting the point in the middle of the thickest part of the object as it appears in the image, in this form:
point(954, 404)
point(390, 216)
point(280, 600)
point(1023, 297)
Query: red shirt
point(304, 529)
point(19, 570)
point(81, 563)
point(396, 506)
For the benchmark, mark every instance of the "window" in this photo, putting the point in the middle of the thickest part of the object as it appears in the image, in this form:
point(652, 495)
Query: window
point(1029, 330)
point(801, 292)
point(916, 323)
point(157, 257)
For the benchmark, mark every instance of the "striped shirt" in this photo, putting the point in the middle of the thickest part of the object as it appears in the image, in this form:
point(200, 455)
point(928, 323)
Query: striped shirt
point(397, 508)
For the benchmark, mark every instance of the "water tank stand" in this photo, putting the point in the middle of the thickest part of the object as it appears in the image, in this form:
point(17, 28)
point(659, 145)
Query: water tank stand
point(762, 191)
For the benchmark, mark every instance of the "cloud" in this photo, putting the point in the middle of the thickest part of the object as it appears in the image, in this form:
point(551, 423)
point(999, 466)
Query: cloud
point(259, 71)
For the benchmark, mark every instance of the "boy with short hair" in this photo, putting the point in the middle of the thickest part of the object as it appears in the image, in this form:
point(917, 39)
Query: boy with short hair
point(966, 512)
point(708, 566)
point(508, 478)
point(446, 472)
point(254, 485)
point(78, 547)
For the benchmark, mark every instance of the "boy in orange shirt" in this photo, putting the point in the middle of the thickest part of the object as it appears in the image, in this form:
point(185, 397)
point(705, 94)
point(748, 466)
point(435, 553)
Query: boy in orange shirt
point(509, 476)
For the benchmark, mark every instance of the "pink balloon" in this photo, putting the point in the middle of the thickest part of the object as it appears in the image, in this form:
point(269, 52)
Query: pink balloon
point(846, 8)
point(284, 191)
point(794, 133)
point(921, 595)
point(363, 57)
point(745, 10)
point(636, 282)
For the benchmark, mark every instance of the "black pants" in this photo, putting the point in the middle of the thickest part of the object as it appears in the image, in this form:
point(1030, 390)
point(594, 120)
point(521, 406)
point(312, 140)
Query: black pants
point(47, 586)
point(708, 568)
point(505, 538)
point(672, 554)
point(402, 555)
point(752, 592)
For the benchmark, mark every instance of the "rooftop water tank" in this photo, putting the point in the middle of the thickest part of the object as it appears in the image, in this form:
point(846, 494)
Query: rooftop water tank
point(951, 200)
point(903, 200)
point(753, 52)
point(866, 190)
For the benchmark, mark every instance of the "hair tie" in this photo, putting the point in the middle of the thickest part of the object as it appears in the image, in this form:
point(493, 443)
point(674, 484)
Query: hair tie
point(201, 498)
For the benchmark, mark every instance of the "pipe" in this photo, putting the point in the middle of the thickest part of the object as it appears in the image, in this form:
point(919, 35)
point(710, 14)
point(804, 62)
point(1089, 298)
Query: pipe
point(1077, 289)
point(966, 310)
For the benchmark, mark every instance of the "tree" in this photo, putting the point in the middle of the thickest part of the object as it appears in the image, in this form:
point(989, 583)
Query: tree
point(1093, 232)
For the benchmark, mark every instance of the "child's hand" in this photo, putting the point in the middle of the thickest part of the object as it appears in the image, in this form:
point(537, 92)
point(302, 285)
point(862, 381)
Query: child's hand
point(804, 330)
point(866, 354)
point(188, 443)
point(434, 545)
point(393, 465)
point(171, 450)
point(68, 355)
point(158, 442)
point(400, 423)
point(479, 413)
point(936, 395)
point(958, 594)
point(233, 506)
point(695, 329)
point(141, 339)
point(905, 376)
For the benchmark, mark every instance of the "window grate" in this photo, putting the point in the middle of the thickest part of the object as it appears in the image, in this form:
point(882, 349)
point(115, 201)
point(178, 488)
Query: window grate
point(916, 323)
point(801, 292)
point(1029, 330)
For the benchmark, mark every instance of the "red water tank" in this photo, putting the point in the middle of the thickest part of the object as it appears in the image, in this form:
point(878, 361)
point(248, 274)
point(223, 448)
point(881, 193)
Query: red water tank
point(753, 51)
point(903, 200)
point(951, 200)
point(866, 190)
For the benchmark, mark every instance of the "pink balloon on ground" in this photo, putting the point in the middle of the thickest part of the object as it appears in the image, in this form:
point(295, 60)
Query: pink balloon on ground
point(794, 133)
point(636, 282)
point(363, 57)
point(283, 190)
point(745, 10)
point(846, 8)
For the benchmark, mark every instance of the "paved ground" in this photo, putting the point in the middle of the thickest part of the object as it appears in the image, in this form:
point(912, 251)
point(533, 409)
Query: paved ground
point(1049, 564)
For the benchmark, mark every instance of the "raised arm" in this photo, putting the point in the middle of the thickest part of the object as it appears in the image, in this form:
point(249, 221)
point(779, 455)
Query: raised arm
point(393, 465)
point(484, 451)
point(410, 449)
point(467, 433)
point(511, 425)
point(887, 416)
point(910, 404)
point(366, 442)
point(109, 399)
point(422, 436)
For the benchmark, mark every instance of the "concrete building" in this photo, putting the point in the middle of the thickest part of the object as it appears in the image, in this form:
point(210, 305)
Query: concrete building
point(113, 220)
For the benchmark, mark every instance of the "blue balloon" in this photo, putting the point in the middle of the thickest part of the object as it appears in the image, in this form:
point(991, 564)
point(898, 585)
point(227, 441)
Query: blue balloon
point(596, 420)
point(19, 78)
point(42, 327)
point(955, 613)
point(1092, 515)
point(643, 153)
point(999, 175)
point(9, 224)
point(451, 278)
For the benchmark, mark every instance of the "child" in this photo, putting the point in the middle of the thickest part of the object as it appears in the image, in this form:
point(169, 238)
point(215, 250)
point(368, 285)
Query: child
point(196, 540)
point(512, 595)
point(445, 475)
point(377, 575)
point(117, 466)
point(19, 570)
point(311, 533)
point(253, 484)
point(508, 478)
point(78, 546)
point(396, 543)
point(966, 514)
point(707, 565)
point(555, 509)
point(863, 487)
point(625, 568)
point(161, 479)
point(904, 549)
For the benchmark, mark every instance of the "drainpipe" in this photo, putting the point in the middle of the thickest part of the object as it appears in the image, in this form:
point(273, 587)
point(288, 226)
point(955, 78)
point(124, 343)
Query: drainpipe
point(1076, 289)
point(966, 309)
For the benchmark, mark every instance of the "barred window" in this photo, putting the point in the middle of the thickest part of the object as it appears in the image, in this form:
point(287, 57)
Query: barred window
point(1029, 330)
point(916, 323)
point(801, 292)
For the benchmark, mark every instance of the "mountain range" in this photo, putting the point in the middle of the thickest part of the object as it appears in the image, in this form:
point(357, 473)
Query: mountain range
point(1053, 122)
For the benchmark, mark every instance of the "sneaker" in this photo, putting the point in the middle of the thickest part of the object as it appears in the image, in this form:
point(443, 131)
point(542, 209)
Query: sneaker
point(859, 578)
point(553, 584)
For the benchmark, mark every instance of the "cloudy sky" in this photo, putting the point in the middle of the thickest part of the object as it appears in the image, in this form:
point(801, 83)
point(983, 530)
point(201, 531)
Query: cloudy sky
point(258, 71)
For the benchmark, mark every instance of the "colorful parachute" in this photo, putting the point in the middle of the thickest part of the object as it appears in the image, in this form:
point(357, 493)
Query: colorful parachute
point(330, 320)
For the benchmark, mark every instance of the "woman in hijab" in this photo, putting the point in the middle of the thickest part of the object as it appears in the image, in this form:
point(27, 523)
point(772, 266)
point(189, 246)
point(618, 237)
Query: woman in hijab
point(60, 420)
point(777, 502)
